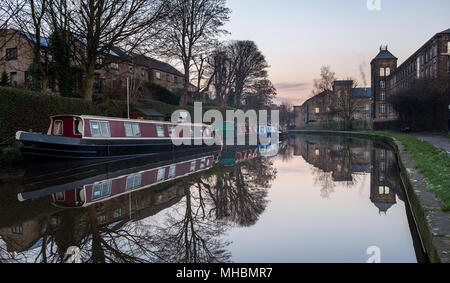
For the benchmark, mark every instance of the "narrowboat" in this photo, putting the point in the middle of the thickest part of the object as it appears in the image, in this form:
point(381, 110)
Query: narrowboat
point(107, 189)
point(72, 137)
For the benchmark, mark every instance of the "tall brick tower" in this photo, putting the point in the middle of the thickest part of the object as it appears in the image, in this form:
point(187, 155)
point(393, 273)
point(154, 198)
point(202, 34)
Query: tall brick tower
point(382, 66)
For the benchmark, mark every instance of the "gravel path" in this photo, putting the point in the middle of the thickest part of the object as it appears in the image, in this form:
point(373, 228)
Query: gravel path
point(437, 141)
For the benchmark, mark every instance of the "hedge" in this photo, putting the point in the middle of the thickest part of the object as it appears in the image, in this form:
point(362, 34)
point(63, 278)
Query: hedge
point(22, 110)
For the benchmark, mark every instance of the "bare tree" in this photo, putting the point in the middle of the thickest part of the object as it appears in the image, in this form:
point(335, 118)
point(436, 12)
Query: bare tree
point(192, 26)
point(346, 105)
point(101, 25)
point(325, 82)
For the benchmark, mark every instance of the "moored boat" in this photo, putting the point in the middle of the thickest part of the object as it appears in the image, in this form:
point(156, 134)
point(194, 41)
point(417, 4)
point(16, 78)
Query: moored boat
point(92, 138)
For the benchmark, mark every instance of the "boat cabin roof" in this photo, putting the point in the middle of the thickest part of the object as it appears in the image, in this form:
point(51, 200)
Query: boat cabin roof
point(89, 117)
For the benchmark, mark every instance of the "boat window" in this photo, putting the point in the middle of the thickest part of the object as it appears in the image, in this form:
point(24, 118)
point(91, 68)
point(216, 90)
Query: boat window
point(100, 129)
point(193, 165)
point(78, 127)
point(171, 131)
point(61, 196)
point(58, 128)
point(160, 131)
point(172, 171)
point(101, 190)
point(161, 174)
point(133, 182)
point(132, 130)
point(203, 164)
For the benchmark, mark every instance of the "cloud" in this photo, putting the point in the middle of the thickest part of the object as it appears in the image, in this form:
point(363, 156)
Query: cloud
point(292, 86)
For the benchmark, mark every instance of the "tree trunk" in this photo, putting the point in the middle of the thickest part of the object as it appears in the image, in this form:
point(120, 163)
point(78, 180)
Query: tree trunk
point(89, 82)
point(184, 94)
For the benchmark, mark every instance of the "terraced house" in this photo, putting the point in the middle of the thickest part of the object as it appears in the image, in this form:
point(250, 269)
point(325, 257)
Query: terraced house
point(112, 71)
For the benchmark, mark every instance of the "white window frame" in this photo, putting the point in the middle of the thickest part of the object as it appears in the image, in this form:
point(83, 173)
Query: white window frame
point(388, 72)
point(382, 84)
point(133, 182)
point(104, 191)
point(161, 176)
point(135, 130)
point(193, 166)
point(62, 128)
point(172, 171)
point(160, 131)
point(383, 108)
point(102, 135)
point(382, 72)
point(158, 75)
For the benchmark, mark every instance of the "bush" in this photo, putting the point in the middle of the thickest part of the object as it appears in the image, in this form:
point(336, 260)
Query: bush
point(424, 106)
point(388, 126)
point(162, 94)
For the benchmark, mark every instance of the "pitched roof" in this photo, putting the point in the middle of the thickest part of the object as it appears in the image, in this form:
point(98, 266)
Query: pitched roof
point(150, 112)
point(446, 31)
point(343, 82)
point(385, 54)
point(157, 65)
point(361, 93)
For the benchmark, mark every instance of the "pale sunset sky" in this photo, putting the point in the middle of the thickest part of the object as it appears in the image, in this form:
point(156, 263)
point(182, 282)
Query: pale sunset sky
point(299, 36)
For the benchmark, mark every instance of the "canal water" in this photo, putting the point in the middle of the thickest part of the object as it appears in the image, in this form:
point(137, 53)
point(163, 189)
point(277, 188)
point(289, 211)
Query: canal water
point(321, 199)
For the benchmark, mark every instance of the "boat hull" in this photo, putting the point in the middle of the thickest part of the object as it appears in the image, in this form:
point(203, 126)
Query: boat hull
point(51, 148)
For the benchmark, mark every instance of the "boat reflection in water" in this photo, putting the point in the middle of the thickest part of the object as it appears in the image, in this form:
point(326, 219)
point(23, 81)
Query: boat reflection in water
point(208, 206)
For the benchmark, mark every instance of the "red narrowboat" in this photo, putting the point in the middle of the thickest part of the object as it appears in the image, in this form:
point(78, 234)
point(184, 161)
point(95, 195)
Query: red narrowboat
point(91, 138)
point(105, 190)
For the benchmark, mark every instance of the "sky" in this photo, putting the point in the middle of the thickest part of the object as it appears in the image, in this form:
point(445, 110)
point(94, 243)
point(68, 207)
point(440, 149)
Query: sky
point(299, 36)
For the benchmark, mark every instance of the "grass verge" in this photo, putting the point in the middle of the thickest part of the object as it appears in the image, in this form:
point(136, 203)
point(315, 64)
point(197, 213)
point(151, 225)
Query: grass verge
point(432, 162)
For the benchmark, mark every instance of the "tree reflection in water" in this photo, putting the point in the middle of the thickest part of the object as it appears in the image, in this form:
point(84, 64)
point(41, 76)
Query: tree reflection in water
point(199, 212)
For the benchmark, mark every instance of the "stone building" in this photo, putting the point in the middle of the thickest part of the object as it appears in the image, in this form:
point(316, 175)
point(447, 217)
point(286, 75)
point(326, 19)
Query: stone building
point(112, 71)
point(429, 61)
point(324, 106)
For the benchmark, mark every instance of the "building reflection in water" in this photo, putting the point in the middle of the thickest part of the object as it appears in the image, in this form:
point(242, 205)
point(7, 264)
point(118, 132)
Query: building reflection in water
point(339, 160)
point(164, 212)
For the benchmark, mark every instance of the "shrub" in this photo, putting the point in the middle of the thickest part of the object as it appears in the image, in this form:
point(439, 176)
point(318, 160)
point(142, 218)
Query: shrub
point(424, 106)
point(163, 94)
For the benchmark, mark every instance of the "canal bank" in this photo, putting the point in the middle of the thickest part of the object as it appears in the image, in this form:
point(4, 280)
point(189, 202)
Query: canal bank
point(433, 224)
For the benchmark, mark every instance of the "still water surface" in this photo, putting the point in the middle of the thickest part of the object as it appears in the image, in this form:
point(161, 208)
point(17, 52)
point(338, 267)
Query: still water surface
point(322, 199)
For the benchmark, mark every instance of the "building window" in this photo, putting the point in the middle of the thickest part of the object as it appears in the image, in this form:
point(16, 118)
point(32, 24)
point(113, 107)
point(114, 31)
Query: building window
point(100, 129)
point(382, 73)
point(172, 171)
point(367, 116)
point(448, 47)
point(17, 230)
point(132, 130)
point(383, 108)
point(168, 77)
point(13, 79)
point(102, 218)
point(317, 110)
point(175, 79)
point(388, 71)
point(382, 84)
point(101, 190)
point(133, 182)
point(367, 107)
point(114, 66)
point(161, 175)
point(117, 213)
point(11, 53)
point(382, 95)
point(158, 75)
point(58, 128)
point(99, 61)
